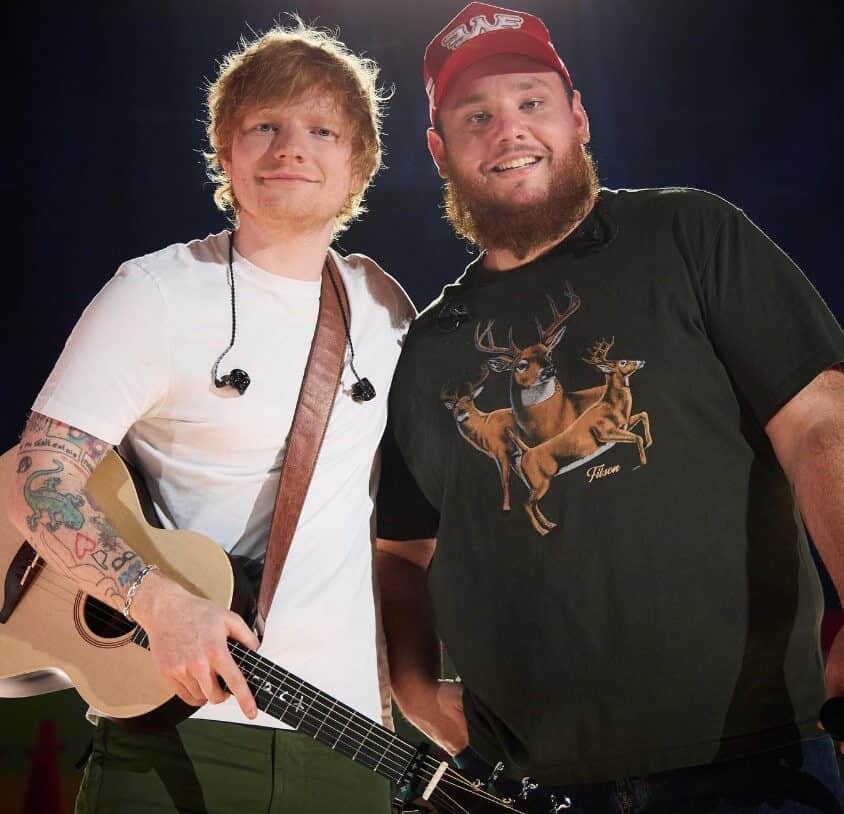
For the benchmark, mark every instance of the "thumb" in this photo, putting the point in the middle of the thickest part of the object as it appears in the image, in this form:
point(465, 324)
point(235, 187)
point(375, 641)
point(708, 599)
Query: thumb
point(239, 630)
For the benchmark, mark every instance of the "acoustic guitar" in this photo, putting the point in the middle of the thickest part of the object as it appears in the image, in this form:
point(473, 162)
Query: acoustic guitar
point(52, 635)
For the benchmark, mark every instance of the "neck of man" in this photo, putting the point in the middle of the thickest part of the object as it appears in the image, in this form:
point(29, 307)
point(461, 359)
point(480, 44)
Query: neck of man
point(497, 259)
point(289, 249)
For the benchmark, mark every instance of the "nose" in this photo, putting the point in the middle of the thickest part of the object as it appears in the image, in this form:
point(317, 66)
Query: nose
point(288, 144)
point(510, 126)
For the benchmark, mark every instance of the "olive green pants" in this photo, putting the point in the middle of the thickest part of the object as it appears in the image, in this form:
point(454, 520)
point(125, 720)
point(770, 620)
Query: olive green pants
point(206, 767)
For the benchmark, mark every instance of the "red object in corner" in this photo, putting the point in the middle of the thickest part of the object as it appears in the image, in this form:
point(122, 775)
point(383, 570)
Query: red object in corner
point(43, 789)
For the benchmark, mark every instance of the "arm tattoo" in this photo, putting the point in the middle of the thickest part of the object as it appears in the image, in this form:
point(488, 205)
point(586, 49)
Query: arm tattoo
point(61, 440)
point(67, 527)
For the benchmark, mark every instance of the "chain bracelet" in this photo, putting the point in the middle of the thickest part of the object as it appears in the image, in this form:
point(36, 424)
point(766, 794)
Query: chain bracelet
point(133, 588)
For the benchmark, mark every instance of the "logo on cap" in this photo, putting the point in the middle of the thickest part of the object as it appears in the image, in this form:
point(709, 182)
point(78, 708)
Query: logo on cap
point(477, 26)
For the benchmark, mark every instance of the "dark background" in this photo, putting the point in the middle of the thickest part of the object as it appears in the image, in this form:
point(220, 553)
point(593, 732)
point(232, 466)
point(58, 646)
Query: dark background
point(103, 133)
point(739, 97)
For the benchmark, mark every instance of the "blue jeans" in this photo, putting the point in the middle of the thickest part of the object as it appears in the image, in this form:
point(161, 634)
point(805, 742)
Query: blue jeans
point(801, 778)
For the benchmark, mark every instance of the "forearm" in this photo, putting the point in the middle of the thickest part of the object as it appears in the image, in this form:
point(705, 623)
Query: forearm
point(52, 509)
point(412, 644)
point(818, 479)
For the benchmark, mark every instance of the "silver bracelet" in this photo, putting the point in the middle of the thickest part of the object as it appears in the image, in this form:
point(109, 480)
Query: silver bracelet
point(133, 588)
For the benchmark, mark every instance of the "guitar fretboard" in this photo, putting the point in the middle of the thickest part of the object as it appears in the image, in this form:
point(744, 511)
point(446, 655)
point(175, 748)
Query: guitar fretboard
point(300, 705)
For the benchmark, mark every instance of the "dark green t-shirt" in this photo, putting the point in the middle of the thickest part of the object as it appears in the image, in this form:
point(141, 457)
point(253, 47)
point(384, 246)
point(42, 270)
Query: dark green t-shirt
point(643, 606)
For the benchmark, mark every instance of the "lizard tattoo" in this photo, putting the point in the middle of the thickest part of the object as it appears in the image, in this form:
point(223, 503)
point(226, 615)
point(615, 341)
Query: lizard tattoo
point(62, 509)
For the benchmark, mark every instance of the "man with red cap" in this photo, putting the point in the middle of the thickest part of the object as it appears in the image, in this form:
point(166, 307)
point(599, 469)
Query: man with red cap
point(639, 632)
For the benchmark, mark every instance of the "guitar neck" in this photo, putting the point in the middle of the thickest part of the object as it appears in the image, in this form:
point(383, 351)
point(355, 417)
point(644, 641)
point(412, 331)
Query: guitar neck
point(303, 707)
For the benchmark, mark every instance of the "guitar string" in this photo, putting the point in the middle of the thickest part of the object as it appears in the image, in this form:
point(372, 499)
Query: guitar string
point(361, 727)
point(434, 764)
point(108, 616)
point(363, 723)
point(429, 763)
point(427, 769)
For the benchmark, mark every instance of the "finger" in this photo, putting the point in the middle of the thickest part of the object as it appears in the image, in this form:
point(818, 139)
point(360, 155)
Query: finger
point(192, 687)
point(237, 685)
point(210, 687)
point(190, 700)
point(239, 630)
point(192, 697)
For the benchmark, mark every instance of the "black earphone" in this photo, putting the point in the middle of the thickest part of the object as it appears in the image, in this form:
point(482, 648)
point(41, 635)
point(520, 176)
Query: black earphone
point(362, 389)
point(238, 379)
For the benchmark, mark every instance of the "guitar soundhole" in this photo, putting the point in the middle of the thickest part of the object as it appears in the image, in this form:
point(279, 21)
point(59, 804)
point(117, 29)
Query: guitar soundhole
point(104, 621)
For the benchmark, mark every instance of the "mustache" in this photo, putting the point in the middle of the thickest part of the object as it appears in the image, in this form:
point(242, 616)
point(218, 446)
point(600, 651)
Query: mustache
point(494, 223)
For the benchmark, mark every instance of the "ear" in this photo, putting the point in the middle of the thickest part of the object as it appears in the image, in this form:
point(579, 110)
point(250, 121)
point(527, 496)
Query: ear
point(449, 405)
point(225, 163)
point(605, 368)
point(580, 117)
point(436, 146)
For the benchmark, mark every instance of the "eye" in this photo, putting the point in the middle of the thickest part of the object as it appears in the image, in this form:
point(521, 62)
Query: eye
point(323, 132)
point(531, 104)
point(264, 127)
point(478, 118)
point(522, 366)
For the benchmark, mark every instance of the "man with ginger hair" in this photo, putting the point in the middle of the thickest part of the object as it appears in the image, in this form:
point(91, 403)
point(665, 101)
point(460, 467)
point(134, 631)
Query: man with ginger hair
point(294, 140)
point(640, 632)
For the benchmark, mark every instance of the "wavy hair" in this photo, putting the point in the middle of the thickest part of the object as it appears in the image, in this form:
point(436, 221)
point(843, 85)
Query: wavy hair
point(279, 67)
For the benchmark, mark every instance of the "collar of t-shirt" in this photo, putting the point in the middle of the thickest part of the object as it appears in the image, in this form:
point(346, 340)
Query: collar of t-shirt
point(597, 230)
point(279, 284)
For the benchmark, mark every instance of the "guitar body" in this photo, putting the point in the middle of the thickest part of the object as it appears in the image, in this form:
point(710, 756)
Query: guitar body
point(53, 636)
point(83, 637)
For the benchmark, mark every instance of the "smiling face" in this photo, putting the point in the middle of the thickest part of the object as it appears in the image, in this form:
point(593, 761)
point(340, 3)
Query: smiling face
point(291, 163)
point(511, 146)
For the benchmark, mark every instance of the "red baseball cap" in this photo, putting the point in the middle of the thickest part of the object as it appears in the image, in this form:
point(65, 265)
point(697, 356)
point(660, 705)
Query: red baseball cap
point(479, 31)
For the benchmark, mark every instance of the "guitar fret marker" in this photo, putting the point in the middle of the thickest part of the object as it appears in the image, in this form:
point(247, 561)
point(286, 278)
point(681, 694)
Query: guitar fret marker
point(268, 688)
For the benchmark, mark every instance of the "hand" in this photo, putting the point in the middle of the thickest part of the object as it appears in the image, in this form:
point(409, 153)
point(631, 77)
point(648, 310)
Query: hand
point(835, 672)
point(437, 711)
point(188, 640)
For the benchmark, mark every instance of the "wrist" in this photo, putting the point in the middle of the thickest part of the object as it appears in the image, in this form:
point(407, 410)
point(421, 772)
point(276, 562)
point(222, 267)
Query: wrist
point(148, 595)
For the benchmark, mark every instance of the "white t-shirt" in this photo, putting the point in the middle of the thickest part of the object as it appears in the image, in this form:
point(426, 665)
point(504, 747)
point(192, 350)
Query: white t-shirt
point(136, 371)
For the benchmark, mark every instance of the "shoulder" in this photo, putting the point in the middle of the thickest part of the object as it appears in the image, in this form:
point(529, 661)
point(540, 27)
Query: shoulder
point(680, 202)
point(369, 283)
point(691, 220)
point(177, 259)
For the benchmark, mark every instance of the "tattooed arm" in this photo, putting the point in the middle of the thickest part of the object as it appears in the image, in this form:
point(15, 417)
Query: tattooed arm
point(60, 520)
point(52, 509)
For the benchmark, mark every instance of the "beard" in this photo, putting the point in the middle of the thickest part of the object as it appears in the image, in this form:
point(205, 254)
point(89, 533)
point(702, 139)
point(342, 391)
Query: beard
point(519, 228)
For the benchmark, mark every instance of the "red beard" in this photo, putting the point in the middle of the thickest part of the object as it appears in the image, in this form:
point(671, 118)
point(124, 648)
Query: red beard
point(519, 228)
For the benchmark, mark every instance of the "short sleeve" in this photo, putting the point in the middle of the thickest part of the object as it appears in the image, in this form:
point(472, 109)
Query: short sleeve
point(403, 511)
point(115, 365)
point(768, 324)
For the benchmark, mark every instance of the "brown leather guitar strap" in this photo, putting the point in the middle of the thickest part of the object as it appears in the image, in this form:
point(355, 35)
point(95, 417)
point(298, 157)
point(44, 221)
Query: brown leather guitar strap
point(310, 421)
